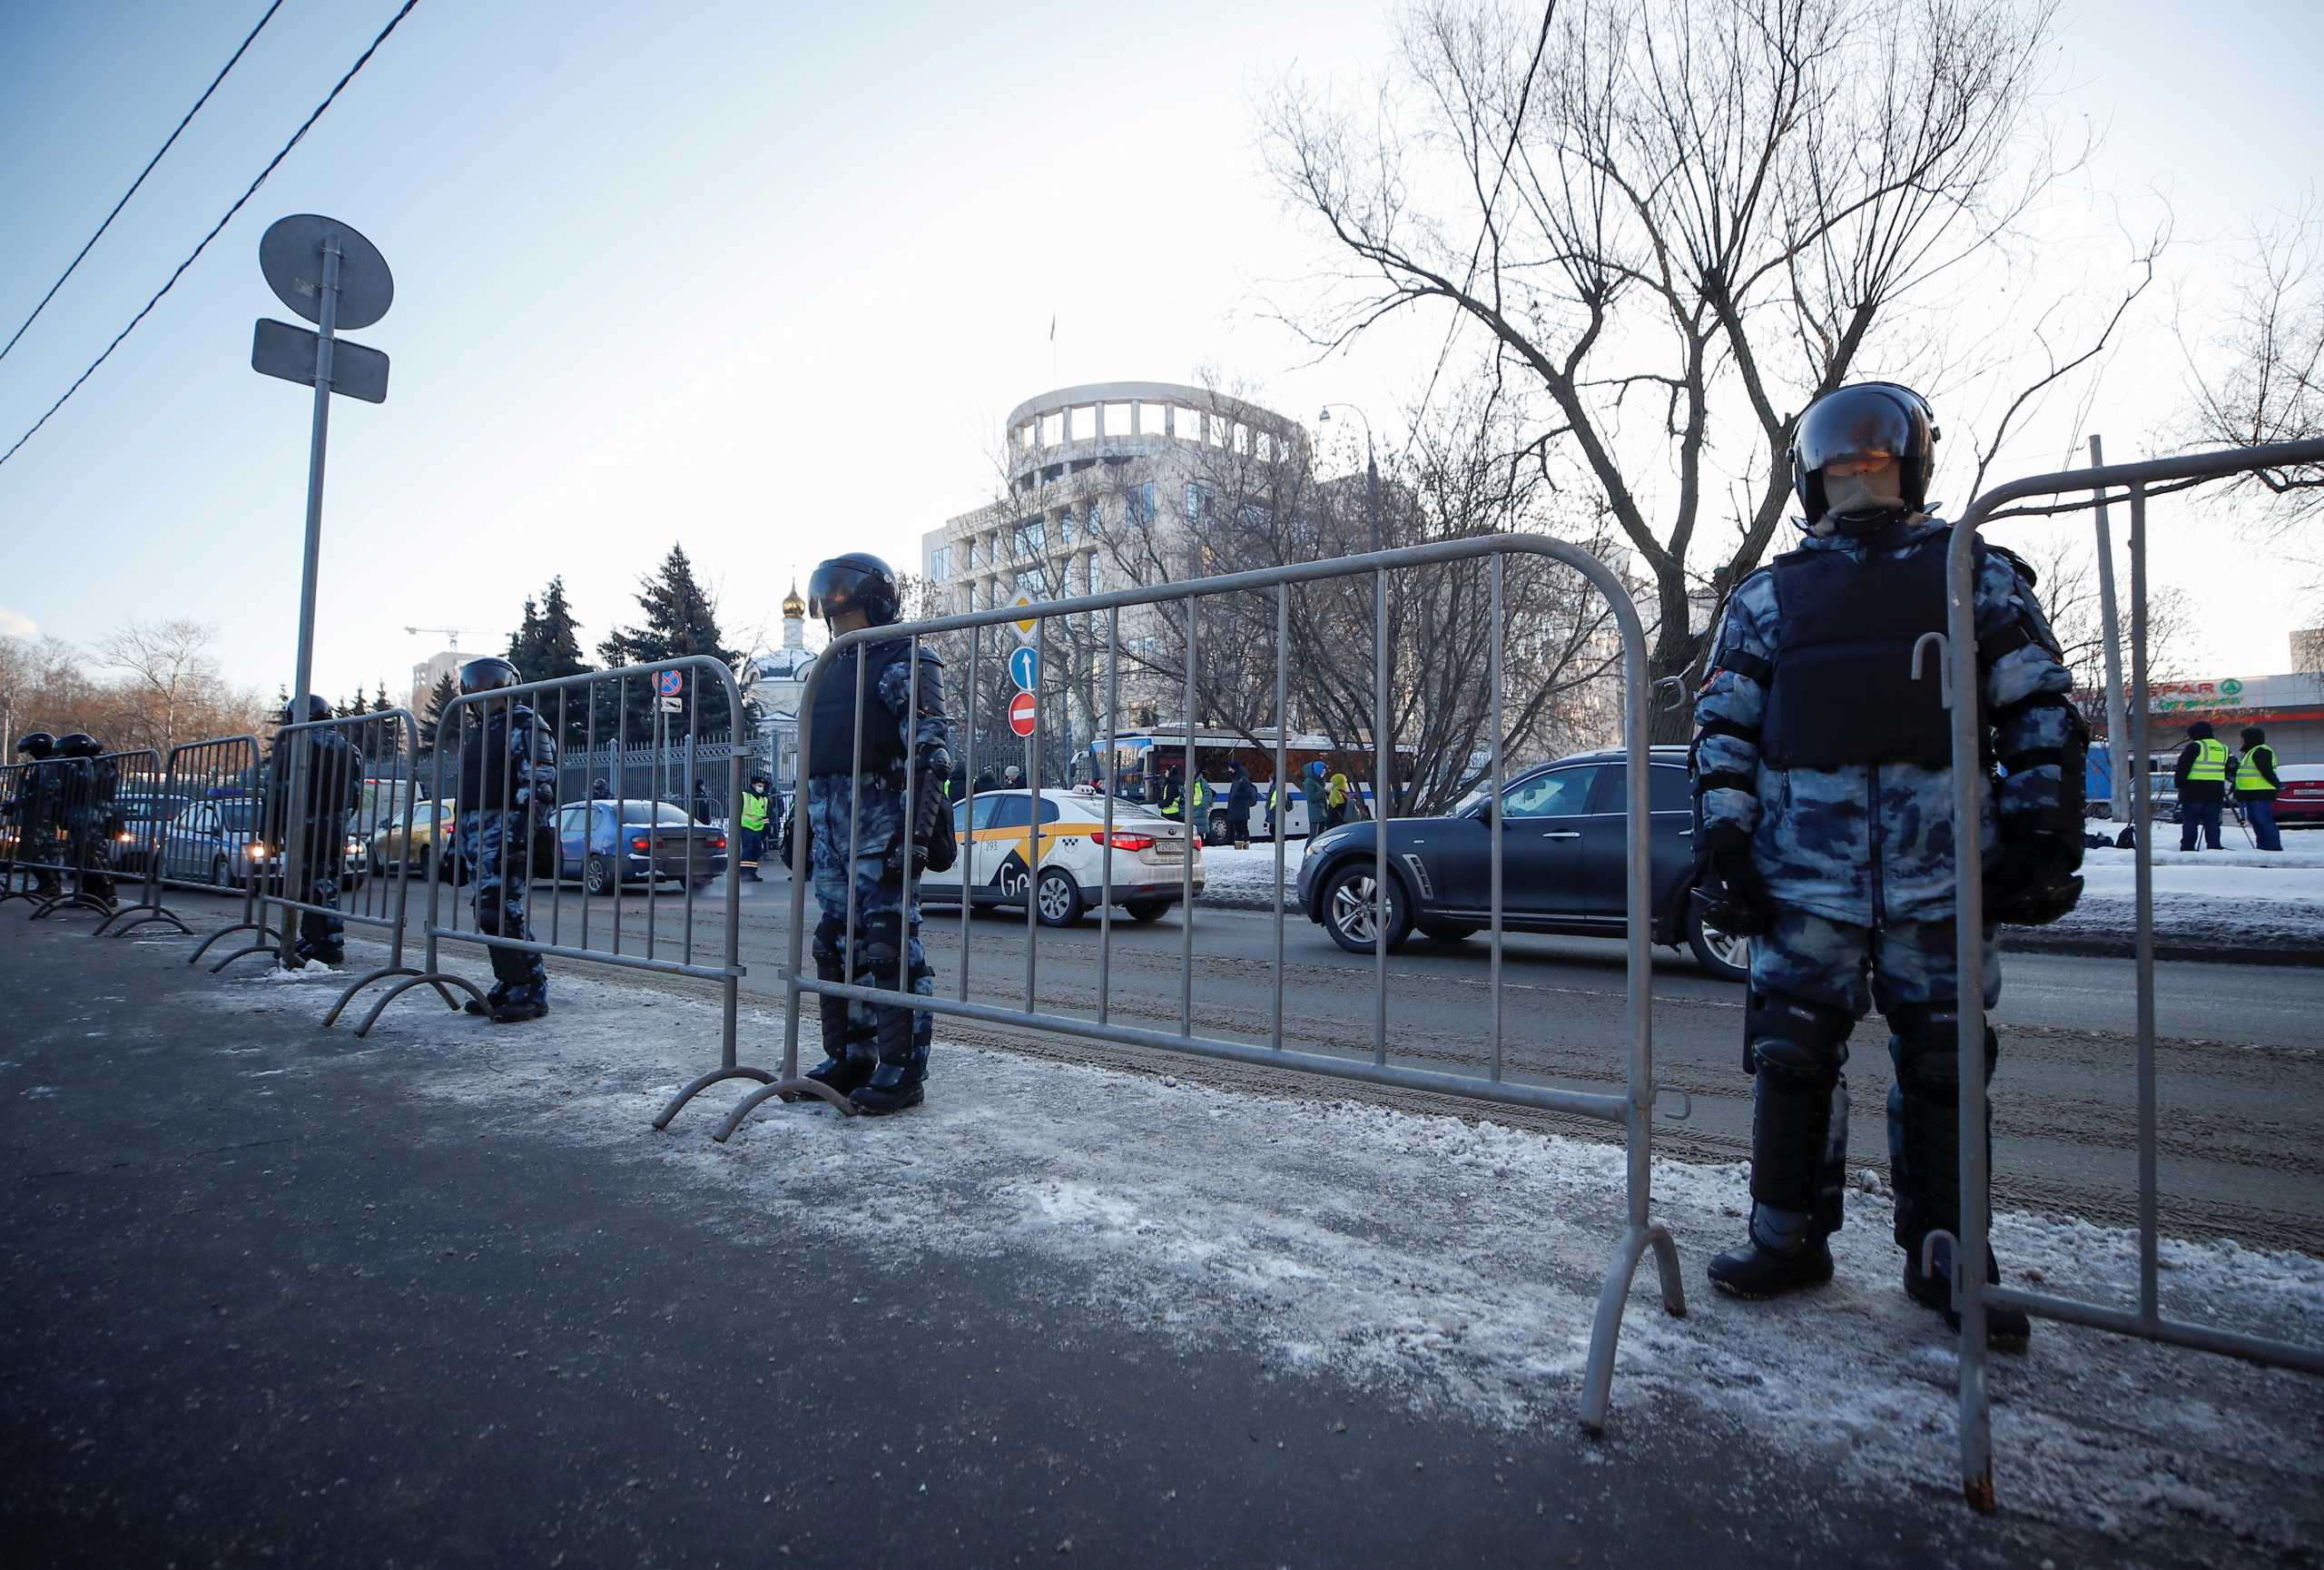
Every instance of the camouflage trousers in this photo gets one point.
(91, 853)
(1909, 972)
(500, 889)
(886, 936)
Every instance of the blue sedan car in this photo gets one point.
(603, 842)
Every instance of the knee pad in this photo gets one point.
(1795, 1041)
(831, 935)
(1925, 1041)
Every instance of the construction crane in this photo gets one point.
(451, 634)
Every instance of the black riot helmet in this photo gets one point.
(318, 707)
(489, 674)
(80, 743)
(856, 581)
(36, 744)
(1869, 420)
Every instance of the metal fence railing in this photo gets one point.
(1632, 1108)
(66, 834)
(625, 855)
(1973, 1293)
(210, 843)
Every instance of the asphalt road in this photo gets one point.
(2240, 1154)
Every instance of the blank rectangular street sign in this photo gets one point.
(279, 349)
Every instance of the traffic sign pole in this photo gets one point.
(293, 849)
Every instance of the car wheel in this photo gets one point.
(1145, 910)
(1218, 834)
(1058, 898)
(1448, 931)
(598, 875)
(1727, 956)
(1349, 909)
(218, 878)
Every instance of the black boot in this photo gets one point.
(850, 1070)
(2007, 1330)
(493, 999)
(1784, 1253)
(893, 1087)
(525, 1001)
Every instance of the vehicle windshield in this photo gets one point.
(238, 817)
(1125, 812)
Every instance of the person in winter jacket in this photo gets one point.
(2256, 785)
(1822, 778)
(2201, 775)
(1242, 796)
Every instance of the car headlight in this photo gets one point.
(259, 852)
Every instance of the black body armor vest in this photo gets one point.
(831, 740)
(1844, 693)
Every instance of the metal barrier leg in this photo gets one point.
(1606, 1329)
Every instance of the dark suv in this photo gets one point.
(1563, 829)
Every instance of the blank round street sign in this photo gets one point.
(1020, 714)
(291, 255)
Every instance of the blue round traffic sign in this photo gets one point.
(669, 683)
(1025, 668)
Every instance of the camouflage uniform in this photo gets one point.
(334, 789)
(885, 934)
(33, 819)
(1859, 865)
(90, 821)
(506, 746)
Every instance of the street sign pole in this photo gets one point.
(292, 852)
(331, 275)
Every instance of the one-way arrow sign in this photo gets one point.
(282, 349)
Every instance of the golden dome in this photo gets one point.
(794, 608)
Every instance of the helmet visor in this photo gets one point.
(1863, 424)
(836, 588)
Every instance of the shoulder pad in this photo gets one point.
(930, 656)
(2018, 564)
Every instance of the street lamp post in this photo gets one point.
(1371, 467)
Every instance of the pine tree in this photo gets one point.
(557, 648)
(680, 620)
(438, 699)
(522, 641)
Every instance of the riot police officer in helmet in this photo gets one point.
(1823, 791)
(334, 789)
(32, 812)
(508, 790)
(86, 781)
(855, 784)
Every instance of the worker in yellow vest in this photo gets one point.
(2257, 781)
(755, 803)
(2202, 774)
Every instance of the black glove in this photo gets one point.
(2037, 878)
(927, 804)
(1728, 886)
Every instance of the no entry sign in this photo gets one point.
(1020, 714)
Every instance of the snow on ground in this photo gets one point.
(1431, 1261)
(1246, 879)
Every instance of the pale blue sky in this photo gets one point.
(761, 279)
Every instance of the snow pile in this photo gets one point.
(1244, 880)
(1435, 1262)
(2230, 899)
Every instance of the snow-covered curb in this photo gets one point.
(2233, 904)
(1431, 1261)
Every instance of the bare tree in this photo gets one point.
(2258, 374)
(167, 664)
(1678, 224)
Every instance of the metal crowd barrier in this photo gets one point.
(208, 844)
(1973, 1293)
(66, 831)
(355, 817)
(24, 833)
(598, 845)
(1633, 1109)
(143, 803)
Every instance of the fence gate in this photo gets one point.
(1633, 1109)
(1972, 1293)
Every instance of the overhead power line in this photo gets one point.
(308, 125)
(142, 173)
